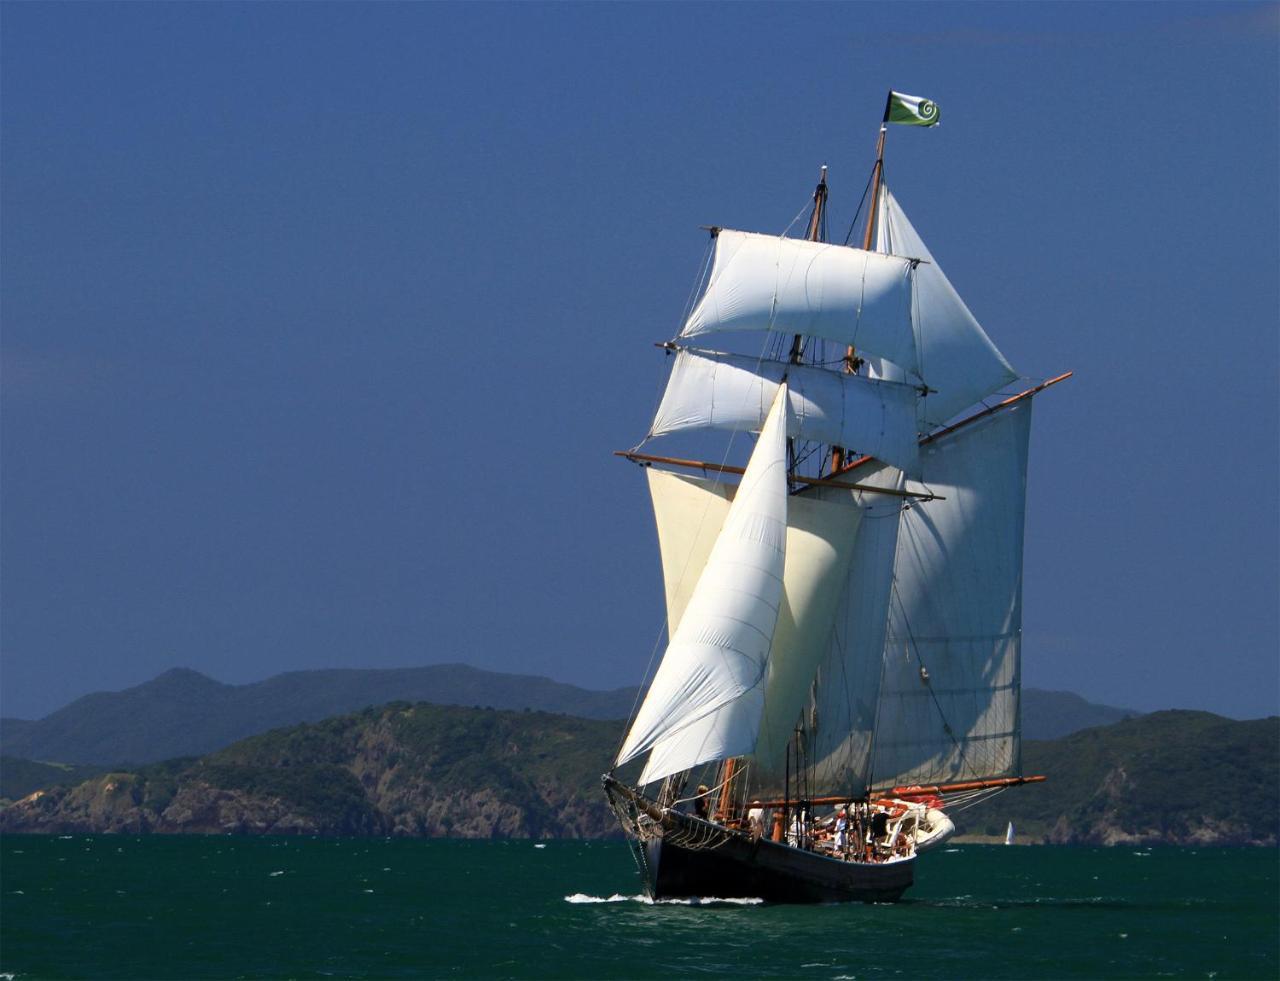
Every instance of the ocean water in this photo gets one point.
(192, 907)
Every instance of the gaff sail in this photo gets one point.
(949, 699)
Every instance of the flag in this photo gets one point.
(910, 110)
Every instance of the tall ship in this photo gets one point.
(843, 570)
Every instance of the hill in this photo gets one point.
(1054, 714)
(427, 770)
(185, 713)
(1175, 776)
(416, 770)
(19, 777)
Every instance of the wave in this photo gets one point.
(579, 897)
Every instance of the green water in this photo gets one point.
(115, 907)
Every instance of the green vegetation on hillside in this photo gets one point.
(19, 777)
(435, 770)
(1173, 775)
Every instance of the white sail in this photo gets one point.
(955, 357)
(764, 282)
(689, 513)
(820, 540)
(949, 697)
(842, 713)
(729, 391)
(820, 536)
(814, 586)
(717, 656)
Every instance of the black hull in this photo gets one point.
(741, 868)
(685, 857)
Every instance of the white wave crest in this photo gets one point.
(579, 897)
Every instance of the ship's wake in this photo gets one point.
(579, 897)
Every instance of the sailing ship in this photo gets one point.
(844, 622)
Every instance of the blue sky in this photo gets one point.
(320, 322)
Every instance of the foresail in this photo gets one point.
(718, 653)
(729, 391)
(765, 282)
(955, 358)
(949, 699)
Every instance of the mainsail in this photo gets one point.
(715, 664)
(952, 668)
(921, 683)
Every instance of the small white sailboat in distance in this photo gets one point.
(1008, 834)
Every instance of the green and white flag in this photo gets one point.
(910, 110)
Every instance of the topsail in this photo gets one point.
(764, 282)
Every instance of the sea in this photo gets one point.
(107, 906)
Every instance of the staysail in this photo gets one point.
(729, 391)
(957, 360)
(716, 661)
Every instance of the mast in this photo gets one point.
(814, 234)
(877, 172)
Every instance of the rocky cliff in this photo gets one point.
(421, 770)
(435, 771)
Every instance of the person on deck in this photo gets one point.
(842, 831)
(700, 802)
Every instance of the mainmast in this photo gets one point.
(868, 238)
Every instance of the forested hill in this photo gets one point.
(416, 770)
(427, 770)
(1187, 777)
(185, 713)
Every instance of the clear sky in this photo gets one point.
(320, 321)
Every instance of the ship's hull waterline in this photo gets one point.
(685, 857)
(762, 869)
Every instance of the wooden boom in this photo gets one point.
(933, 790)
(812, 481)
(854, 464)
